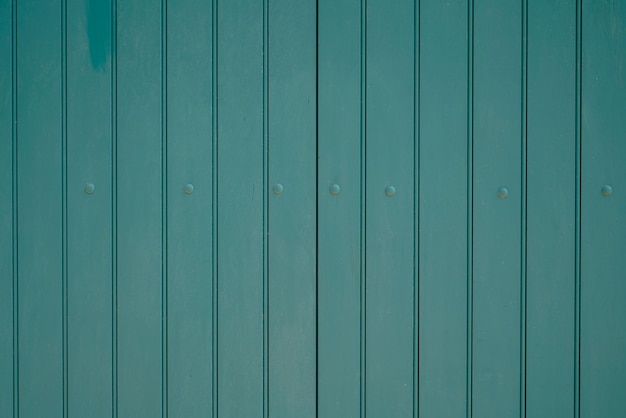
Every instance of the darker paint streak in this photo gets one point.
(98, 32)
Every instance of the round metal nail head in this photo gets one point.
(278, 188)
(188, 188)
(503, 192)
(90, 188)
(606, 190)
(390, 190)
(334, 189)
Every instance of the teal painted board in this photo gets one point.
(241, 208)
(323, 208)
(551, 210)
(7, 215)
(139, 181)
(40, 221)
(292, 256)
(89, 226)
(189, 215)
(497, 240)
(443, 210)
(389, 207)
(603, 229)
(340, 180)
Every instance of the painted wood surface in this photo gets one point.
(321, 208)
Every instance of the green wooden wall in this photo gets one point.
(314, 208)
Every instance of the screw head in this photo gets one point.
(606, 190)
(90, 188)
(277, 189)
(390, 190)
(334, 189)
(188, 189)
(503, 192)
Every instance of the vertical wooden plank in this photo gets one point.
(443, 208)
(497, 221)
(40, 210)
(189, 216)
(292, 220)
(240, 208)
(339, 226)
(551, 208)
(6, 209)
(89, 215)
(139, 216)
(603, 230)
(389, 219)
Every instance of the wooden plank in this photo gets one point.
(189, 215)
(292, 220)
(89, 246)
(497, 274)
(340, 239)
(39, 182)
(443, 176)
(550, 355)
(603, 230)
(139, 210)
(390, 368)
(240, 208)
(7, 217)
